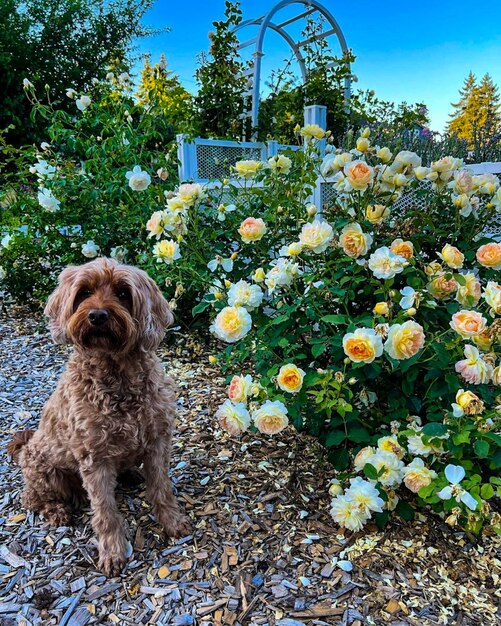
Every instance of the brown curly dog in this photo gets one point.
(113, 409)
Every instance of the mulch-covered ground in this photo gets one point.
(264, 549)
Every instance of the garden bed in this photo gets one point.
(264, 547)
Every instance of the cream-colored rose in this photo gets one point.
(290, 378)
(462, 183)
(421, 172)
(363, 457)
(359, 174)
(473, 368)
(402, 248)
(469, 294)
(335, 488)
(271, 418)
(231, 324)
(316, 235)
(155, 224)
(490, 255)
(248, 168)
(405, 159)
(384, 154)
(404, 340)
(363, 345)
(189, 193)
(496, 376)
(377, 213)
(417, 475)
(340, 160)
(468, 323)
(280, 164)
(452, 256)
(252, 229)
(354, 241)
(492, 295)
(234, 418)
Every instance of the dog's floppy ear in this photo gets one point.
(59, 306)
(155, 316)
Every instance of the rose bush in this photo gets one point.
(87, 190)
(376, 330)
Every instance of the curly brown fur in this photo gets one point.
(113, 409)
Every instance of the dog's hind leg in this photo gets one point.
(48, 489)
(159, 490)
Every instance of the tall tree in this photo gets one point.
(61, 44)
(476, 117)
(161, 88)
(220, 99)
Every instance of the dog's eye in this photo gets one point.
(124, 294)
(84, 293)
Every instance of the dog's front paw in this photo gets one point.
(177, 526)
(111, 564)
(56, 514)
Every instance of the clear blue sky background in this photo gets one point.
(412, 51)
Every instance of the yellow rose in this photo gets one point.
(490, 255)
(280, 163)
(390, 444)
(363, 144)
(167, 251)
(312, 131)
(384, 154)
(231, 324)
(316, 235)
(468, 323)
(469, 403)
(381, 308)
(247, 169)
(483, 340)
(359, 174)
(290, 378)
(404, 340)
(433, 268)
(354, 242)
(259, 275)
(469, 293)
(252, 229)
(363, 345)
(377, 213)
(452, 256)
(294, 248)
(402, 248)
(492, 295)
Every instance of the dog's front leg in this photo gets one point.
(159, 490)
(100, 482)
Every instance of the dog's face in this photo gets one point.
(107, 307)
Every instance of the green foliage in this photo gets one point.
(83, 165)
(59, 44)
(161, 91)
(477, 118)
(220, 98)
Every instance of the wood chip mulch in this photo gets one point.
(264, 548)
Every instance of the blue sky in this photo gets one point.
(412, 51)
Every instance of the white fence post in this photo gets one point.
(187, 156)
(272, 148)
(317, 114)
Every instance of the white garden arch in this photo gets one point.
(306, 9)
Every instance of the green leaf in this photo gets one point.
(358, 434)
(318, 349)
(405, 510)
(340, 459)
(334, 438)
(381, 519)
(459, 438)
(334, 319)
(370, 471)
(201, 306)
(487, 491)
(460, 279)
(435, 429)
(481, 448)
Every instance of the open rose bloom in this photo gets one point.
(353, 310)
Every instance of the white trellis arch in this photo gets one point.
(306, 10)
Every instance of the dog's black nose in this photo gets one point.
(98, 317)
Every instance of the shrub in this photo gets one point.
(375, 330)
(80, 194)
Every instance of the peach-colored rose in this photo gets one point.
(490, 255)
(354, 241)
(359, 174)
(417, 475)
(290, 378)
(473, 368)
(404, 340)
(402, 248)
(468, 323)
(442, 288)
(252, 229)
(363, 345)
(271, 418)
(240, 388)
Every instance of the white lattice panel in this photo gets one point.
(215, 161)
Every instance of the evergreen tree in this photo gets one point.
(477, 117)
(159, 87)
(220, 99)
